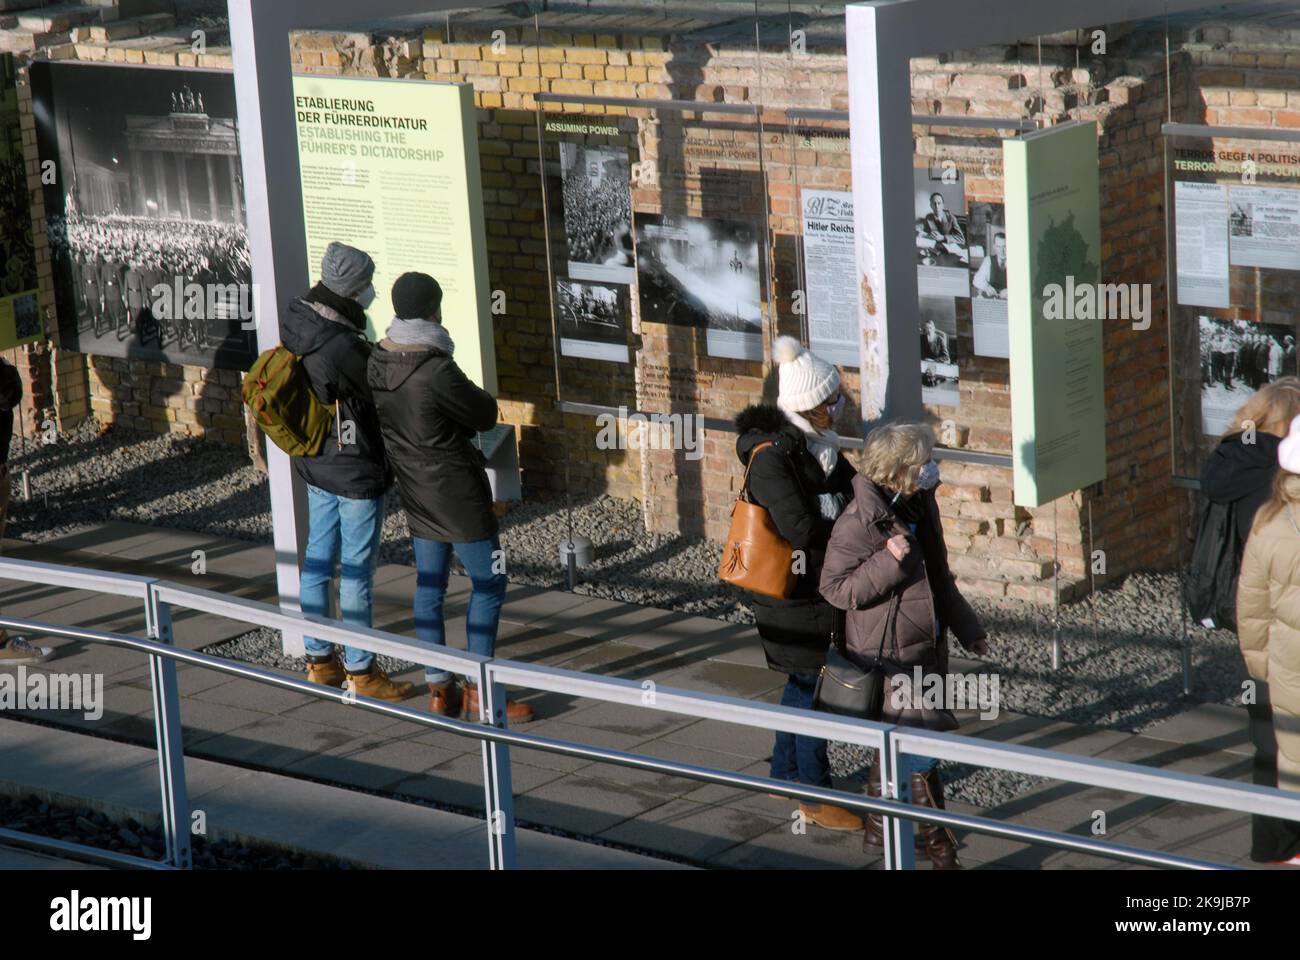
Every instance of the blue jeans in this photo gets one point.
(487, 579)
(346, 531)
(795, 757)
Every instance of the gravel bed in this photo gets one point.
(31, 814)
(1121, 657)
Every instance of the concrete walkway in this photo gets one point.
(261, 728)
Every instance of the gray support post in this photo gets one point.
(880, 132)
(167, 733)
(900, 853)
(498, 794)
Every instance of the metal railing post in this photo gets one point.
(167, 731)
(900, 854)
(498, 795)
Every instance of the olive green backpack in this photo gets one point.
(284, 406)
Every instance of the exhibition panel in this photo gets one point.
(1234, 210)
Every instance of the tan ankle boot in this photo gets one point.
(831, 818)
(515, 712)
(446, 699)
(328, 673)
(375, 683)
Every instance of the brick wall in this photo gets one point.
(997, 548)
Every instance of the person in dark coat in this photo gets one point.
(90, 290)
(430, 412)
(110, 285)
(887, 566)
(347, 481)
(797, 473)
(15, 649)
(1240, 472)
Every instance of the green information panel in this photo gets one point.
(1056, 306)
(392, 167)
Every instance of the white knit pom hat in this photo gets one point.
(806, 380)
(1288, 451)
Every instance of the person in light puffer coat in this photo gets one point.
(1268, 613)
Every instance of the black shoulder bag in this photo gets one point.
(845, 688)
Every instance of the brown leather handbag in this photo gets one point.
(756, 557)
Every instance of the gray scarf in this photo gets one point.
(421, 333)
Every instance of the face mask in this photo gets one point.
(366, 297)
(929, 478)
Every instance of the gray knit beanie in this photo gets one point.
(346, 270)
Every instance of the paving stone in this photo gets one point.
(1214, 726)
(272, 742)
(728, 679)
(584, 805)
(731, 738)
(375, 765)
(696, 831)
(782, 849)
(260, 697)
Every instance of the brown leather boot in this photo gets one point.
(940, 842)
(515, 712)
(875, 832)
(375, 683)
(831, 818)
(327, 671)
(446, 699)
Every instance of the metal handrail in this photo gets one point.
(890, 742)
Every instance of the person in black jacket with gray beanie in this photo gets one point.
(430, 412)
(347, 481)
(803, 481)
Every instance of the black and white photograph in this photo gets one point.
(941, 227)
(593, 320)
(987, 236)
(146, 217)
(1237, 359)
(598, 212)
(938, 328)
(1242, 219)
(988, 265)
(703, 273)
(939, 371)
(940, 384)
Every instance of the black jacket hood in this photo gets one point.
(306, 329)
(765, 423)
(389, 369)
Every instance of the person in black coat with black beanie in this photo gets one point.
(1240, 472)
(430, 413)
(803, 481)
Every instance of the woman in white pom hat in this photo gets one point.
(1268, 615)
(802, 480)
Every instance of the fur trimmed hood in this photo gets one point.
(766, 423)
(763, 417)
